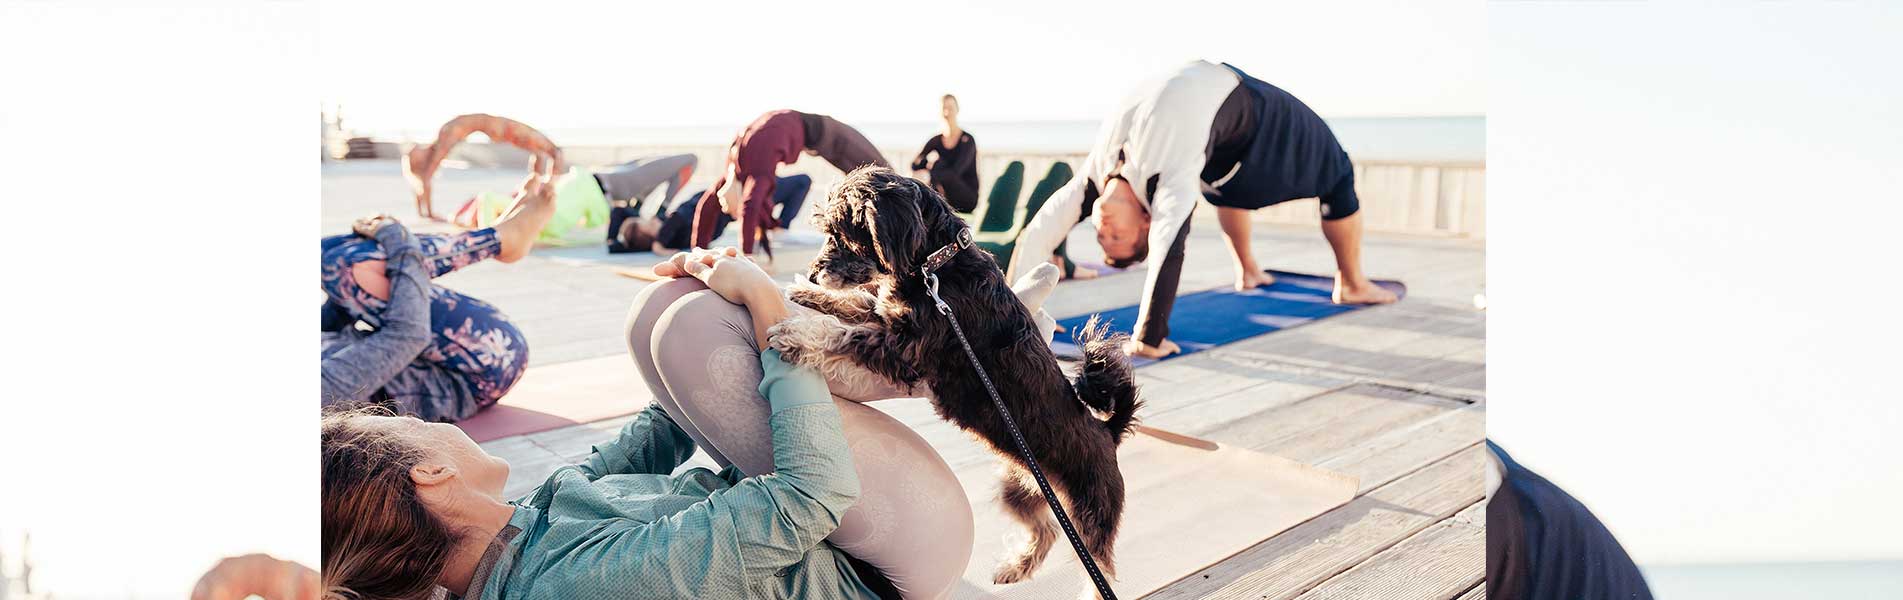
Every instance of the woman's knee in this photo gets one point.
(701, 318)
(647, 307)
(913, 520)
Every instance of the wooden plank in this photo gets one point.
(575, 442)
(1207, 413)
(1478, 592)
(1382, 459)
(1332, 543)
(1442, 561)
(1323, 426)
(1424, 205)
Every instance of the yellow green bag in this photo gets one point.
(581, 210)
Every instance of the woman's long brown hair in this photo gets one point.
(379, 541)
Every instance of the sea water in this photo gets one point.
(1432, 139)
(1782, 581)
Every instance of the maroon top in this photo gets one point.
(775, 138)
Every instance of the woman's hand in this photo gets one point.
(726, 272)
(736, 278)
(241, 577)
(368, 226)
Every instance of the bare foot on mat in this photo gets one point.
(1363, 292)
(1249, 280)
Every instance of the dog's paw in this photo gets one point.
(807, 294)
(807, 340)
(1011, 571)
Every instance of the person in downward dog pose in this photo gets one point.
(392, 337)
(1209, 132)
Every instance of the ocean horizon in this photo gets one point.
(1749, 581)
(1431, 139)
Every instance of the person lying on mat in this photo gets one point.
(816, 497)
(629, 185)
(1542, 543)
(1212, 132)
(745, 188)
(392, 337)
(629, 232)
(421, 162)
(949, 161)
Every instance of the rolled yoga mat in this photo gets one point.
(1208, 319)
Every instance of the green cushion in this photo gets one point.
(1001, 206)
(1000, 242)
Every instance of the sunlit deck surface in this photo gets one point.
(1393, 395)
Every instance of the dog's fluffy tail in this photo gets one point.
(1106, 383)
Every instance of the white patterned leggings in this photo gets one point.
(696, 351)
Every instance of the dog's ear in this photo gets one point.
(895, 223)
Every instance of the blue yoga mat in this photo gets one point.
(1205, 320)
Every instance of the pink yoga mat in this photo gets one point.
(560, 395)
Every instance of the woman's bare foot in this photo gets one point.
(418, 170)
(1362, 292)
(1252, 279)
(520, 225)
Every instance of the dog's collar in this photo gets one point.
(944, 254)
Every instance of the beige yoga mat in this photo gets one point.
(560, 395)
(1190, 504)
(641, 273)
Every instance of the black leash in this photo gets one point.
(932, 263)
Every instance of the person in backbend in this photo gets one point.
(673, 230)
(1211, 132)
(949, 161)
(421, 162)
(745, 189)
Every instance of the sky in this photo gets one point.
(166, 428)
(1730, 172)
(413, 64)
(1692, 241)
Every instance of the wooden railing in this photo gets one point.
(1436, 198)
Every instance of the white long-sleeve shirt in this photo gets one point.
(1161, 130)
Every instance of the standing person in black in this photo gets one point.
(1542, 544)
(949, 161)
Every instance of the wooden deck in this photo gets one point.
(1393, 395)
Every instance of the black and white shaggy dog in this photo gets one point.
(876, 316)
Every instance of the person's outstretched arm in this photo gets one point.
(1170, 208)
(355, 371)
(919, 162)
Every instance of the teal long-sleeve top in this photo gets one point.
(619, 526)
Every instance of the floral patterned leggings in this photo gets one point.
(473, 341)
